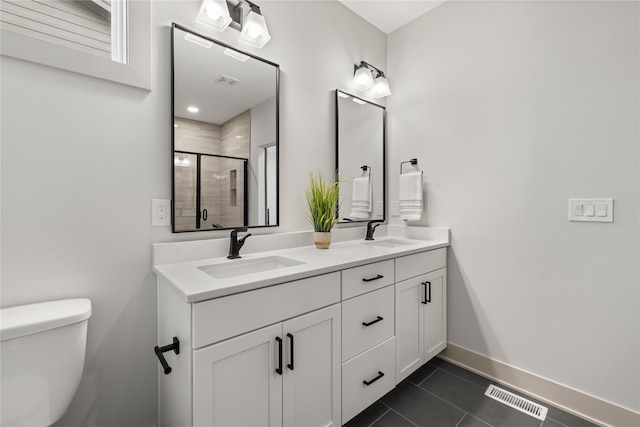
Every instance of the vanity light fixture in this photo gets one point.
(214, 14)
(254, 28)
(242, 15)
(363, 80)
(381, 86)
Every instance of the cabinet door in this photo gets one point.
(409, 331)
(235, 382)
(435, 314)
(311, 378)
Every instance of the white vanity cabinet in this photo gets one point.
(281, 375)
(233, 370)
(314, 350)
(421, 309)
(368, 343)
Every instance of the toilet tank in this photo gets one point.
(42, 356)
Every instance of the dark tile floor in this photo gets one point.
(440, 394)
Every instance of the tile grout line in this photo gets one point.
(404, 417)
(385, 413)
(472, 416)
(462, 378)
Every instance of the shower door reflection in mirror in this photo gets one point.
(225, 136)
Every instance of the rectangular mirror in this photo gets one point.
(360, 158)
(225, 136)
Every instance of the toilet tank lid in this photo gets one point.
(29, 319)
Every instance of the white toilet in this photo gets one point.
(41, 360)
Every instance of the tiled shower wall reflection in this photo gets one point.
(222, 196)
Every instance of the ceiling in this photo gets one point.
(389, 15)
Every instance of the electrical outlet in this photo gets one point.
(160, 212)
(379, 208)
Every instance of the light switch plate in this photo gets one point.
(395, 209)
(591, 210)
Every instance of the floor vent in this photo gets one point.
(517, 402)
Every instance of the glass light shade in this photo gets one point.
(214, 14)
(254, 30)
(381, 87)
(362, 79)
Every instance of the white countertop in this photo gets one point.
(194, 285)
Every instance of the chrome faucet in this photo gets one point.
(235, 244)
(372, 228)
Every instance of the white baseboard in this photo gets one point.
(566, 398)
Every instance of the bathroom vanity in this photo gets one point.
(297, 336)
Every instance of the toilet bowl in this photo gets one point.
(41, 360)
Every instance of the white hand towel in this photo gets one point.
(361, 198)
(410, 203)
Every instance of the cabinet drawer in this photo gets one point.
(414, 265)
(366, 278)
(221, 318)
(356, 395)
(368, 308)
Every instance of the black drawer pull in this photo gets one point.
(427, 292)
(290, 365)
(279, 368)
(371, 279)
(372, 322)
(380, 375)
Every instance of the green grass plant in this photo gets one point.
(322, 199)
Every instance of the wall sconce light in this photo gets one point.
(363, 80)
(241, 15)
(254, 28)
(214, 14)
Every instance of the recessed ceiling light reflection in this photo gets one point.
(236, 55)
(193, 109)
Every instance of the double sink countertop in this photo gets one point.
(203, 279)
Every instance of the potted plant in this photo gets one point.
(322, 198)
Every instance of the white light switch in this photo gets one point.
(590, 210)
(602, 210)
(595, 210)
(579, 210)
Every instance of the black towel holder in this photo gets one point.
(412, 161)
(366, 168)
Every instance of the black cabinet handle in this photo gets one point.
(279, 368)
(290, 365)
(371, 279)
(427, 292)
(205, 214)
(380, 375)
(373, 321)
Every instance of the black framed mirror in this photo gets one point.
(361, 158)
(225, 111)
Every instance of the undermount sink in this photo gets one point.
(249, 266)
(391, 243)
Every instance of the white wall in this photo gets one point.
(512, 108)
(82, 158)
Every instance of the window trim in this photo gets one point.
(136, 73)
